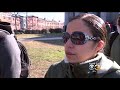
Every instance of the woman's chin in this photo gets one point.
(72, 60)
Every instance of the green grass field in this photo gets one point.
(42, 54)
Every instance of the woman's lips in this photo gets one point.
(69, 53)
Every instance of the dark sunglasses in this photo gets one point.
(77, 38)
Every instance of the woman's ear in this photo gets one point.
(100, 46)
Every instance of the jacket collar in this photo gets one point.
(98, 66)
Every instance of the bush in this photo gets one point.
(32, 32)
(43, 31)
(19, 31)
(51, 30)
(57, 30)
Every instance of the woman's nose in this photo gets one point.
(69, 43)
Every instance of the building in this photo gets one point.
(22, 22)
(42, 24)
(35, 23)
(32, 23)
(106, 16)
(19, 22)
(14, 20)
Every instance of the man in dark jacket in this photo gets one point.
(10, 64)
(25, 61)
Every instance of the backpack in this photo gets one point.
(25, 61)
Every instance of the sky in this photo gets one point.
(57, 16)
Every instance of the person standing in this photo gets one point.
(25, 61)
(113, 49)
(10, 63)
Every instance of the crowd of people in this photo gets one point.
(91, 48)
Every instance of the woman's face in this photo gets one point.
(79, 53)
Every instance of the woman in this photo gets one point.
(84, 39)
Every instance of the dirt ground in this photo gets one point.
(38, 71)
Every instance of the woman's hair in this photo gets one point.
(95, 23)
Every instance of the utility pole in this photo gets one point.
(15, 19)
(26, 21)
(32, 23)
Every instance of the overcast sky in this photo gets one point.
(48, 15)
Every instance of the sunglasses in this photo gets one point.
(77, 38)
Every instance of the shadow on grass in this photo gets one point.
(54, 42)
(47, 35)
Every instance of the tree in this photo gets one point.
(26, 22)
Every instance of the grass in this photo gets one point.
(42, 54)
